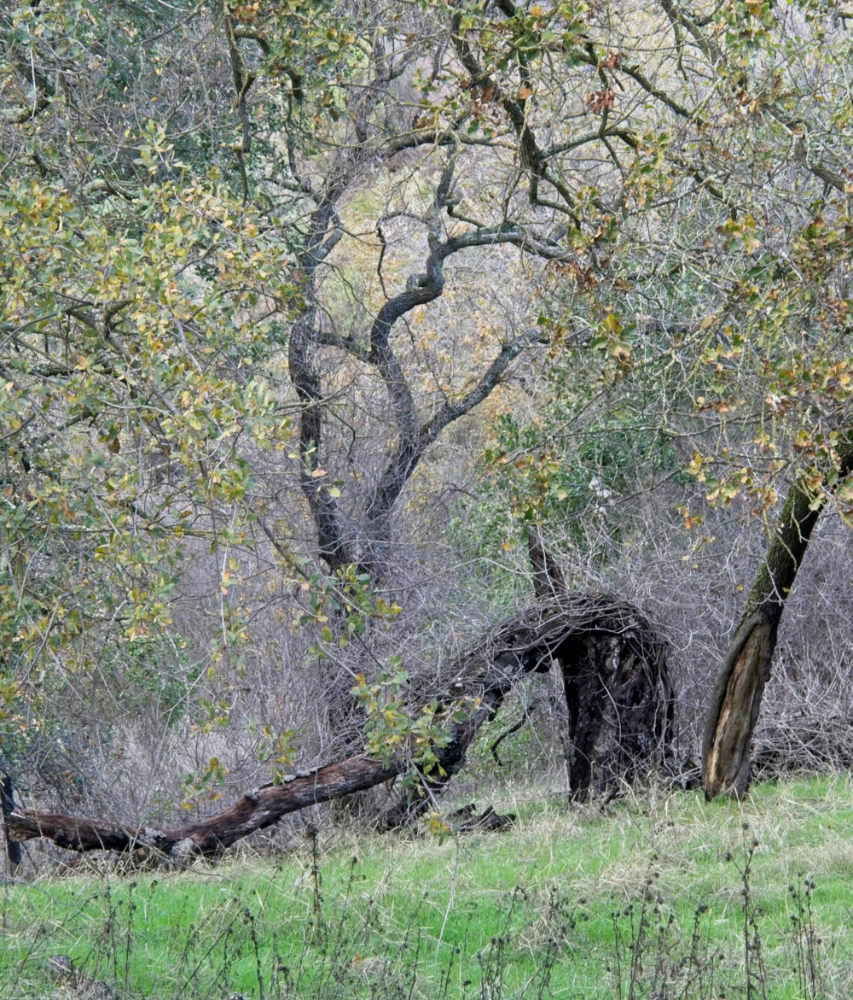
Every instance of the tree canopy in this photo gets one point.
(306, 304)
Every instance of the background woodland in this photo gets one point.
(316, 314)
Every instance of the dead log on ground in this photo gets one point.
(257, 810)
(480, 676)
(571, 628)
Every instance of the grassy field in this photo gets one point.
(661, 897)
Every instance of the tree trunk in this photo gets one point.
(736, 700)
(548, 579)
(508, 669)
(620, 701)
(257, 810)
(618, 693)
(7, 806)
(614, 666)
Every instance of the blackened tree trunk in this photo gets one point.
(620, 702)
(7, 806)
(614, 666)
(619, 696)
(736, 700)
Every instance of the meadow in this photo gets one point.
(659, 895)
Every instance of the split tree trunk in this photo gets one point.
(736, 700)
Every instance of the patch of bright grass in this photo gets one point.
(647, 896)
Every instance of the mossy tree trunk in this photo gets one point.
(736, 701)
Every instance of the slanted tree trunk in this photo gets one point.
(736, 700)
(483, 673)
(508, 667)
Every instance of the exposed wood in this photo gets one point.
(736, 700)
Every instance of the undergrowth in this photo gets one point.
(663, 897)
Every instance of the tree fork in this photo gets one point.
(736, 701)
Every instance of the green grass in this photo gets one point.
(567, 905)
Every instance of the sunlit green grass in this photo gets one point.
(550, 909)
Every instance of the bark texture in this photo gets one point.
(620, 700)
(257, 810)
(736, 700)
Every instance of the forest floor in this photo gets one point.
(656, 896)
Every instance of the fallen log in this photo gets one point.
(485, 676)
(638, 699)
(257, 810)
